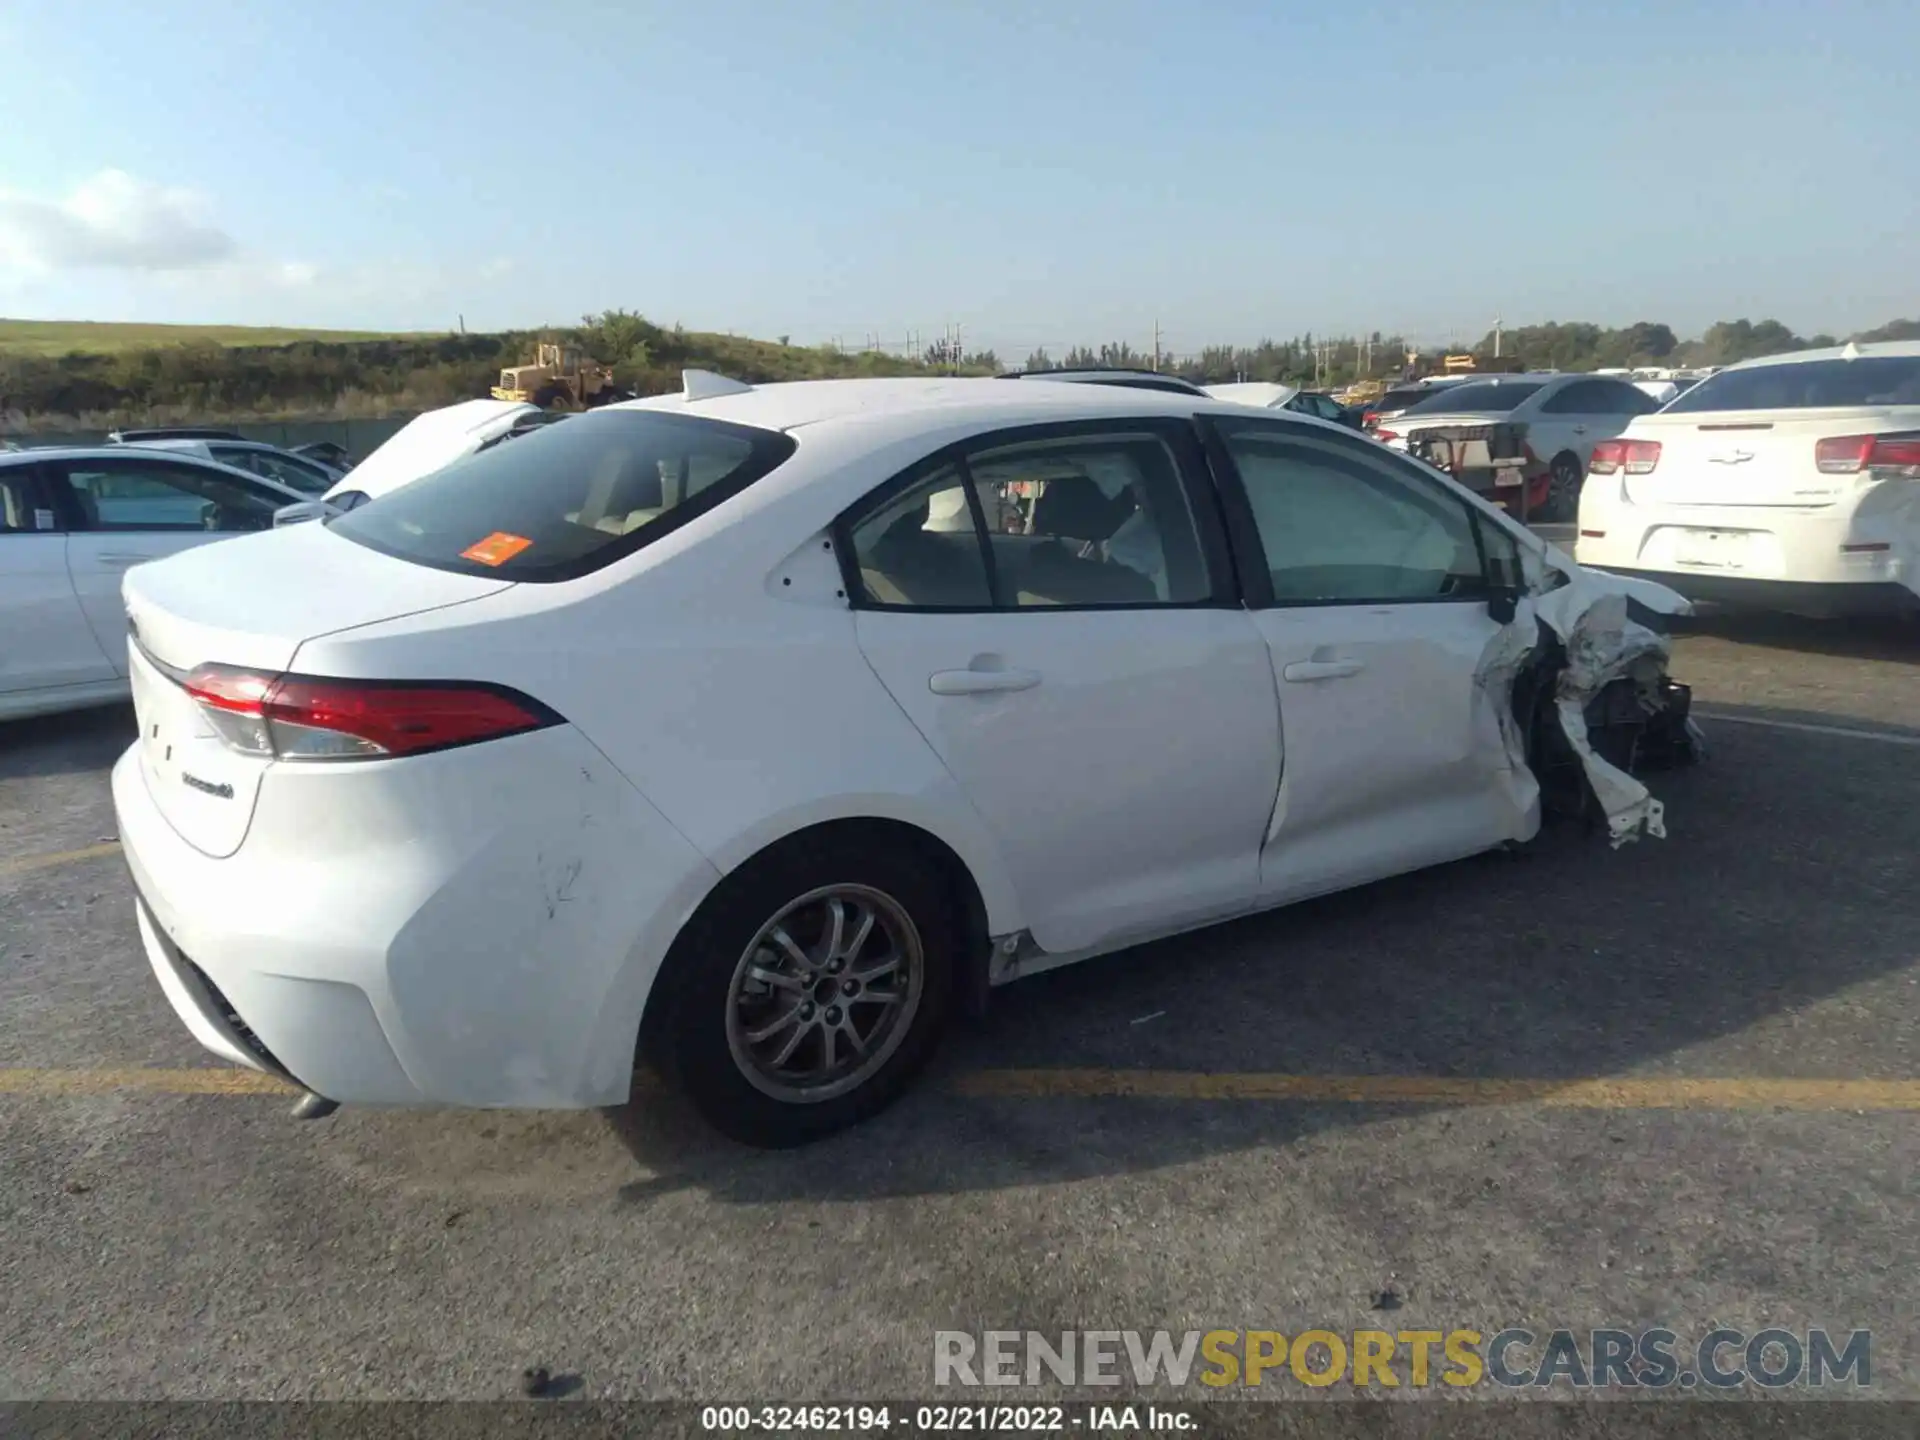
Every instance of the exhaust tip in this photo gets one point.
(314, 1107)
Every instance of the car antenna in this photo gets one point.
(706, 384)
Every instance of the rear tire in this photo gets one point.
(778, 1033)
(1563, 494)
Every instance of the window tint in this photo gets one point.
(922, 548)
(1870, 380)
(1095, 520)
(1339, 523)
(307, 479)
(149, 495)
(1491, 396)
(23, 507)
(564, 500)
(1081, 520)
(1502, 554)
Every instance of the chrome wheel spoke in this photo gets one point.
(877, 997)
(774, 1026)
(786, 942)
(854, 1037)
(860, 934)
(779, 979)
(788, 1046)
(836, 930)
(867, 974)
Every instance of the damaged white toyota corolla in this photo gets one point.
(756, 730)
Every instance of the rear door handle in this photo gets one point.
(1322, 669)
(981, 682)
(1579, 429)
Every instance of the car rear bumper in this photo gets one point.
(1834, 559)
(1815, 598)
(452, 931)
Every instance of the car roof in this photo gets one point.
(1893, 349)
(790, 405)
(1122, 375)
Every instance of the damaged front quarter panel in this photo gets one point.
(1612, 665)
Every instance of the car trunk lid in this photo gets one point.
(1748, 458)
(250, 603)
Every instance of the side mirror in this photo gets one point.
(302, 511)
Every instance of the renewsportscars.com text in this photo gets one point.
(1514, 1358)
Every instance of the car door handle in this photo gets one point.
(120, 559)
(1301, 670)
(1579, 429)
(981, 682)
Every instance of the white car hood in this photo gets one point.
(431, 442)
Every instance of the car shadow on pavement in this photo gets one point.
(79, 742)
(1785, 880)
(1894, 638)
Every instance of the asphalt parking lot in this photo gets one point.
(1752, 983)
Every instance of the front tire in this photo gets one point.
(807, 990)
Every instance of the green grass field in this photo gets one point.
(67, 337)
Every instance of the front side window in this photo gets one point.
(563, 501)
(1076, 520)
(152, 495)
(1340, 524)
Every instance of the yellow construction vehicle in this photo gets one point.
(561, 377)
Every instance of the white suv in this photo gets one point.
(1792, 483)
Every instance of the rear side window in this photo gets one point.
(564, 500)
(1807, 384)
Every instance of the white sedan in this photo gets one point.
(728, 725)
(72, 521)
(1790, 483)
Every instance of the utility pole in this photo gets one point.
(1156, 345)
(1496, 337)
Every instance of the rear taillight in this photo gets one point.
(1636, 457)
(1385, 435)
(1369, 418)
(1897, 455)
(309, 717)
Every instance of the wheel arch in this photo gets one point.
(961, 879)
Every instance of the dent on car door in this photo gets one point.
(1051, 606)
(1371, 583)
(48, 641)
(133, 510)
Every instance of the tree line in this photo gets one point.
(1336, 361)
(206, 381)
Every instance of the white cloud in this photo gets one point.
(296, 274)
(495, 269)
(112, 221)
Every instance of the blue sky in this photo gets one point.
(1037, 171)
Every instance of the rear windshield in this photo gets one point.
(1403, 397)
(561, 501)
(1478, 396)
(1808, 384)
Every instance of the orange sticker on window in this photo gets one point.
(496, 549)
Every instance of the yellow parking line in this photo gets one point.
(207, 1080)
(64, 857)
(1650, 1093)
(1635, 1093)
